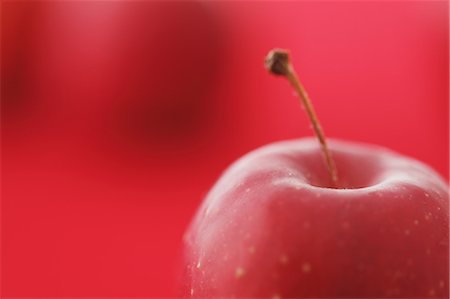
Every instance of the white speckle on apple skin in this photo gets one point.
(239, 273)
(284, 259)
(416, 222)
(251, 249)
(306, 267)
(407, 232)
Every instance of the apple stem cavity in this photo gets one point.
(278, 63)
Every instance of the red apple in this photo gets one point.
(106, 71)
(271, 228)
(281, 223)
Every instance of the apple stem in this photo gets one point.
(278, 63)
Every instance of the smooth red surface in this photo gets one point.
(270, 229)
(107, 153)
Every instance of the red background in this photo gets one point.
(118, 117)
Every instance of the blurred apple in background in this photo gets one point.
(16, 58)
(104, 106)
(102, 169)
(141, 70)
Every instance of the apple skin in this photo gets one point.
(269, 228)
